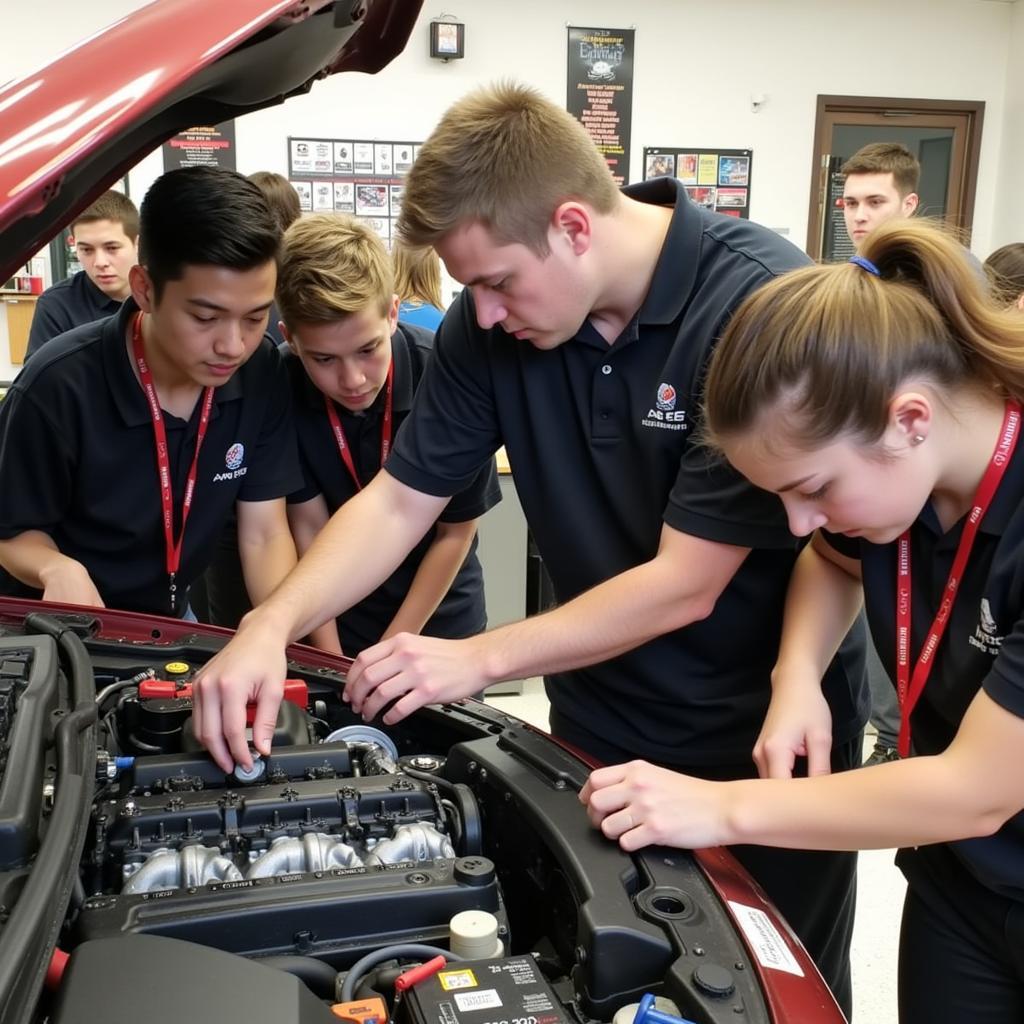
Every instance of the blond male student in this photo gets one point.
(354, 367)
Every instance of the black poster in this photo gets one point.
(202, 146)
(836, 243)
(600, 91)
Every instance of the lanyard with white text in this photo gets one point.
(344, 449)
(909, 688)
(173, 550)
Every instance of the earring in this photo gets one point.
(917, 439)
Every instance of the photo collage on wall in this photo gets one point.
(717, 179)
(364, 177)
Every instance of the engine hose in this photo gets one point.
(378, 956)
(320, 978)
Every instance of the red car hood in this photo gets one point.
(75, 126)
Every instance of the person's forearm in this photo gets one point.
(903, 803)
(266, 561)
(614, 617)
(362, 544)
(822, 603)
(435, 574)
(32, 557)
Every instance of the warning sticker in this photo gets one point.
(765, 939)
(486, 999)
(464, 978)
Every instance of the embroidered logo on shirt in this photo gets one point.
(666, 397)
(665, 415)
(233, 459)
(985, 638)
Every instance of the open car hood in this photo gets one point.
(75, 126)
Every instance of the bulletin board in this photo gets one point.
(717, 179)
(363, 177)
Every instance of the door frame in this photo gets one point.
(889, 106)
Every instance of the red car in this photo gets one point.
(138, 882)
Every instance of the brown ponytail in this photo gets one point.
(827, 346)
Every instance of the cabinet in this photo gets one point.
(20, 309)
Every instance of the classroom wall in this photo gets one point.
(1007, 200)
(695, 70)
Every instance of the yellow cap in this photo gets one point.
(176, 668)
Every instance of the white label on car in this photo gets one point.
(765, 939)
(486, 999)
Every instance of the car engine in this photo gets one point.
(441, 871)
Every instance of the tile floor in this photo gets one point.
(879, 903)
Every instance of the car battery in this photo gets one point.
(503, 991)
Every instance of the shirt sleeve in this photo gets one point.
(37, 460)
(1005, 682)
(482, 494)
(710, 500)
(452, 429)
(49, 319)
(309, 488)
(274, 471)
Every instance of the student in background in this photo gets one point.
(881, 184)
(1005, 268)
(283, 201)
(418, 284)
(180, 386)
(105, 238)
(882, 402)
(354, 367)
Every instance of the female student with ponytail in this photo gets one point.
(881, 400)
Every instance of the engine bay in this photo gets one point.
(136, 878)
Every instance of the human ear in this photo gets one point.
(141, 285)
(910, 202)
(911, 418)
(287, 335)
(573, 220)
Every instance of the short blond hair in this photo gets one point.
(505, 157)
(332, 266)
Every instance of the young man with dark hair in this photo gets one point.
(127, 442)
(580, 342)
(881, 183)
(105, 238)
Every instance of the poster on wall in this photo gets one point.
(202, 146)
(364, 177)
(599, 91)
(717, 179)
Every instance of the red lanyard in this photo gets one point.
(173, 550)
(344, 449)
(909, 688)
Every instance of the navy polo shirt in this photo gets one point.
(66, 305)
(78, 461)
(462, 611)
(983, 646)
(600, 440)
